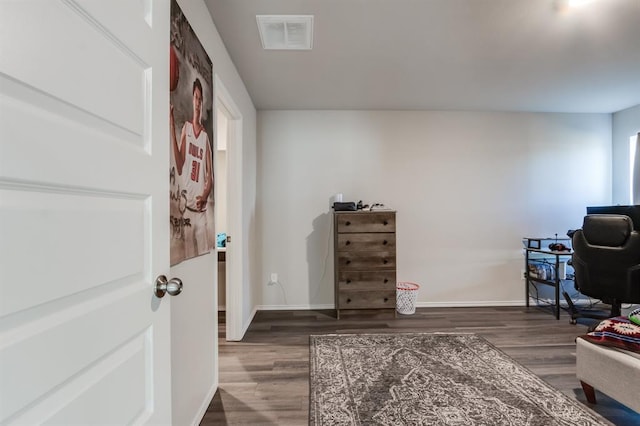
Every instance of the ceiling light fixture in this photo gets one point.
(572, 4)
(286, 32)
(578, 3)
(567, 6)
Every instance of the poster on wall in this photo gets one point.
(191, 145)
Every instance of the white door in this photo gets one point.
(84, 217)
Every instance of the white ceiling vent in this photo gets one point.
(286, 32)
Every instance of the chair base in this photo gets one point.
(616, 311)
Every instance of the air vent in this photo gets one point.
(286, 32)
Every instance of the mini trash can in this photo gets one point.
(406, 296)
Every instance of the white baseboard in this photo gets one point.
(563, 302)
(205, 404)
(470, 304)
(295, 307)
(581, 303)
(246, 325)
(467, 304)
(456, 304)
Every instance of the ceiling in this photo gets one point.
(494, 55)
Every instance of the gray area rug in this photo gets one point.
(430, 379)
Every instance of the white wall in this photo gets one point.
(467, 187)
(194, 312)
(626, 123)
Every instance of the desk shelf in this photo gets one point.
(535, 254)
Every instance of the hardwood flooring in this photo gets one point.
(264, 378)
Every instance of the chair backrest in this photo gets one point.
(606, 258)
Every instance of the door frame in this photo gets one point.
(234, 258)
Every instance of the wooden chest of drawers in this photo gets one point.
(365, 260)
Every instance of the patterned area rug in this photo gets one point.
(430, 379)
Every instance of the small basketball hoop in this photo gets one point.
(406, 296)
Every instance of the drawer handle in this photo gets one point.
(385, 261)
(348, 262)
(385, 223)
(348, 281)
(386, 280)
(386, 299)
(385, 242)
(347, 243)
(347, 223)
(348, 300)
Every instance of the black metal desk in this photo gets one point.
(539, 255)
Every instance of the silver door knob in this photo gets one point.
(172, 286)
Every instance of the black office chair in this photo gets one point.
(606, 260)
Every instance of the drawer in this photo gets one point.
(366, 222)
(366, 299)
(366, 280)
(376, 241)
(365, 260)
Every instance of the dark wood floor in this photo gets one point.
(264, 378)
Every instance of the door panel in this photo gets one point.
(40, 129)
(124, 408)
(41, 224)
(78, 60)
(84, 221)
(49, 364)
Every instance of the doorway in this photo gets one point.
(222, 229)
(229, 210)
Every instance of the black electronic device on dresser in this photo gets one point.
(365, 260)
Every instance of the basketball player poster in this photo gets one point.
(191, 145)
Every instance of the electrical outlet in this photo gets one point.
(273, 279)
(523, 274)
